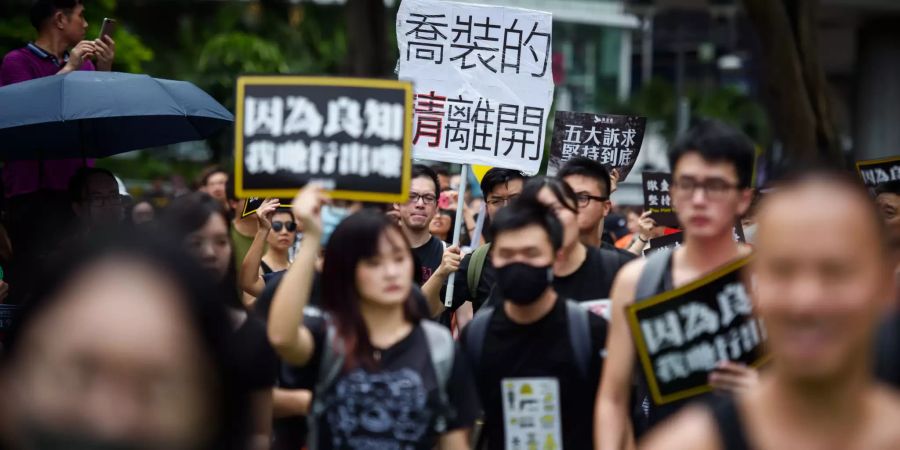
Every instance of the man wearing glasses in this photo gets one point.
(95, 199)
(591, 183)
(415, 219)
(711, 170)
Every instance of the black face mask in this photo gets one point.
(523, 284)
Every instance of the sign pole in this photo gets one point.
(460, 202)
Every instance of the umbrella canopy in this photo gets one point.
(97, 114)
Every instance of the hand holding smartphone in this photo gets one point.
(108, 27)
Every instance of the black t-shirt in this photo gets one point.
(607, 246)
(256, 359)
(594, 279)
(394, 406)
(887, 352)
(429, 258)
(540, 349)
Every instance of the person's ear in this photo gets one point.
(745, 198)
(59, 20)
(607, 207)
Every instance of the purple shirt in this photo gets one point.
(23, 177)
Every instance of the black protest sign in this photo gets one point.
(878, 171)
(350, 135)
(682, 334)
(657, 198)
(614, 141)
(253, 203)
(663, 242)
(7, 316)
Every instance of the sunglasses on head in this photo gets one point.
(277, 225)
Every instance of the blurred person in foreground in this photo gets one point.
(37, 205)
(821, 304)
(200, 223)
(123, 347)
(385, 377)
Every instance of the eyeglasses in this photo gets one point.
(585, 199)
(713, 188)
(105, 200)
(427, 199)
(277, 225)
(498, 201)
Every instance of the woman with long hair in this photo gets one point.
(201, 224)
(385, 377)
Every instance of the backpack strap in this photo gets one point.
(329, 369)
(476, 267)
(580, 336)
(442, 351)
(475, 337)
(610, 261)
(653, 274)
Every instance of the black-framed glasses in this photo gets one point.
(713, 188)
(585, 199)
(277, 225)
(498, 201)
(428, 199)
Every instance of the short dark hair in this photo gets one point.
(587, 167)
(208, 172)
(497, 176)
(78, 182)
(423, 171)
(440, 170)
(526, 212)
(889, 187)
(41, 10)
(562, 191)
(716, 141)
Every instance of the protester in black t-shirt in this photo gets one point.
(123, 346)
(415, 219)
(384, 377)
(201, 223)
(500, 187)
(523, 354)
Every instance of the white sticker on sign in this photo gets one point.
(531, 414)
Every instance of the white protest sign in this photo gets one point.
(531, 413)
(483, 81)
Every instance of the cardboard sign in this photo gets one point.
(532, 414)
(350, 135)
(614, 141)
(878, 171)
(682, 334)
(7, 316)
(657, 198)
(673, 240)
(483, 81)
(253, 203)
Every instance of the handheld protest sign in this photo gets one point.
(253, 203)
(7, 316)
(483, 80)
(658, 199)
(656, 244)
(682, 334)
(877, 171)
(613, 141)
(350, 135)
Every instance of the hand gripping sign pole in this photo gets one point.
(460, 202)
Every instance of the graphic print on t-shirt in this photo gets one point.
(531, 413)
(384, 410)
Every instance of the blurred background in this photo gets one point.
(804, 78)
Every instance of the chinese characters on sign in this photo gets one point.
(878, 171)
(483, 82)
(657, 198)
(614, 141)
(681, 335)
(351, 135)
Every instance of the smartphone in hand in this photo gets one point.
(108, 27)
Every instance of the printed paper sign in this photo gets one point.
(351, 135)
(878, 171)
(531, 413)
(614, 141)
(483, 82)
(657, 198)
(682, 334)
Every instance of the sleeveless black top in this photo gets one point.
(728, 423)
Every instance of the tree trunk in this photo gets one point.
(795, 80)
(366, 38)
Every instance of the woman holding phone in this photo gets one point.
(384, 377)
